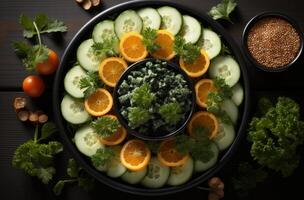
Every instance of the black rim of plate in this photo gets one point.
(134, 66)
(260, 16)
(58, 91)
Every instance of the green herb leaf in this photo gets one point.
(137, 116)
(187, 51)
(102, 156)
(90, 83)
(31, 55)
(106, 48)
(44, 24)
(86, 181)
(72, 168)
(57, 189)
(142, 96)
(47, 130)
(171, 112)
(223, 10)
(105, 126)
(149, 37)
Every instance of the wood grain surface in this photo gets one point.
(15, 185)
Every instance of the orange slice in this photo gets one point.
(165, 40)
(132, 48)
(169, 156)
(111, 69)
(99, 103)
(205, 120)
(199, 67)
(115, 138)
(202, 89)
(135, 155)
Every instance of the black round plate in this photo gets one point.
(67, 62)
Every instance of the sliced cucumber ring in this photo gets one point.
(225, 67)
(231, 109)
(157, 174)
(211, 42)
(201, 166)
(134, 177)
(73, 110)
(86, 57)
(225, 136)
(150, 17)
(115, 168)
(237, 94)
(71, 81)
(171, 19)
(86, 140)
(103, 30)
(191, 30)
(181, 174)
(127, 21)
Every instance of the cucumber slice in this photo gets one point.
(150, 17)
(73, 110)
(115, 168)
(86, 57)
(237, 94)
(191, 30)
(227, 68)
(127, 21)
(86, 140)
(225, 136)
(171, 19)
(134, 177)
(181, 174)
(211, 42)
(71, 81)
(157, 175)
(231, 109)
(103, 30)
(200, 166)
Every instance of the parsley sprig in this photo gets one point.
(90, 83)
(105, 126)
(187, 51)
(102, 156)
(106, 47)
(223, 10)
(149, 37)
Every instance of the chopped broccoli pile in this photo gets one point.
(154, 98)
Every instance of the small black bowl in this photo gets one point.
(256, 19)
(124, 122)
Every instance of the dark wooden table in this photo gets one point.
(15, 184)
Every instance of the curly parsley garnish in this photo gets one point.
(187, 51)
(149, 37)
(105, 126)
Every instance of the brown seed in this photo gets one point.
(79, 1)
(216, 183)
(213, 196)
(95, 2)
(87, 4)
(19, 103)
(43, 118)
(33, 117)
(23, 115)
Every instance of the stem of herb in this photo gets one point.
(36, 133)
(38, 34)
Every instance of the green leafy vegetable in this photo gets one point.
(223, 10)
(36, 159)
(171, 112)
(225, 50)
(137, 116)
(43, 23)
(90, 83)
(276, 135)
(31, 55)
(102, 156)
(47, 130)
(105, 126)
(72, 168)
(142, 96)
(187, 51)
(105, 48)
(149, 37)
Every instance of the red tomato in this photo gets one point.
(33, 86)
(50, 65)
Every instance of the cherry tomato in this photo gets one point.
(50, 65)
(33, 86)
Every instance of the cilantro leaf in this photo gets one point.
(58, 187)
(149, 37)
(72, 168)
(187, 51)
(102, 156)
(90, 83)
(31, 55)
(44, 24)
(105, 126)
(223, 10)
(106, 47)
(47, 130)
(171, 112)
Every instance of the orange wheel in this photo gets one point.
(206, 120)
(135, 155)
(202, 89)
(99, 103)
(132, 48)
(165, 40)
(199, 67)
(169, 156)
(111, 69)
(115, 138)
